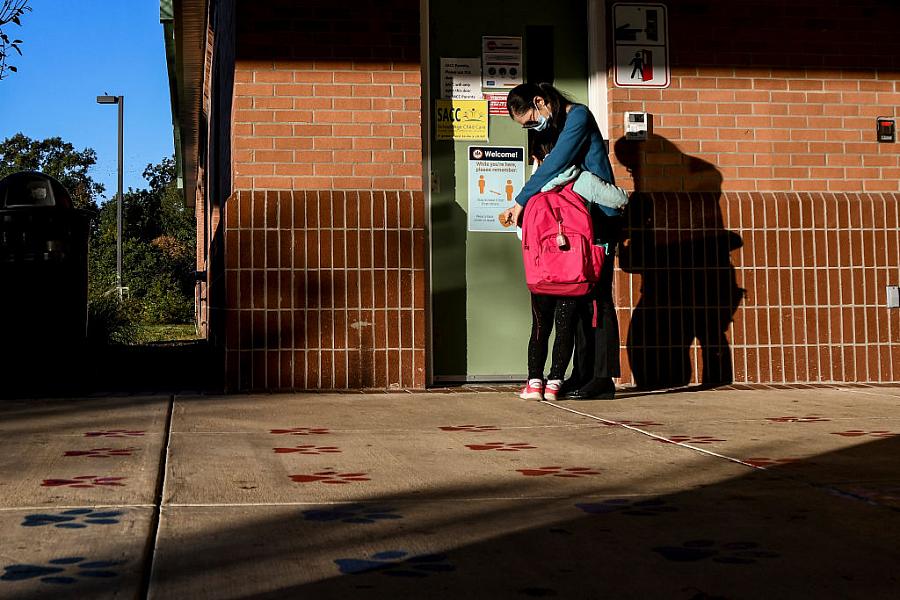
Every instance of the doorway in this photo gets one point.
(480, 308)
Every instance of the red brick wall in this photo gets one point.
(779, 96)
(324, 235)
(327, 125)
(771, 112)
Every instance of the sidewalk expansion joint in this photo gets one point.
(829, 489)
(409, 500)
(654, 436)
(153, 536)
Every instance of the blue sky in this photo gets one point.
(77, 50)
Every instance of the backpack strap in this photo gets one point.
(568, 192)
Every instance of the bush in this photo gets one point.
(164, 303)
(110, 321)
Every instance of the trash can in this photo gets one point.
(43, 268)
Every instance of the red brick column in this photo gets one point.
(324, 234)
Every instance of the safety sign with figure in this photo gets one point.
(496, 175)
(641, 45)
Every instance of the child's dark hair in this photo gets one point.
(521, 99)
(541, 148)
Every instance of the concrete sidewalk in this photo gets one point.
(708, 494)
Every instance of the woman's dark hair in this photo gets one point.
(521, 99)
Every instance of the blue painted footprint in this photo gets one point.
(352, 513)
(640, 508)
(395, 564)
(77, 518)
(65, 570)
(736, 553)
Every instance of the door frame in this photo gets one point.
(597, 102)
(425, 70)
(597, 66)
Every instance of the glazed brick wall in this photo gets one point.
(763, 175)
(325, 289)
(324, 234)
(801, 276)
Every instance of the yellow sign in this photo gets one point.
(461, 119)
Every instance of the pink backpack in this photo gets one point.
(557, 235)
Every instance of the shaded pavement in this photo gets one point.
(476, 494)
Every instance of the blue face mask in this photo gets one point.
(542, 123)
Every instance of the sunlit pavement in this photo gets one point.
(781, 493)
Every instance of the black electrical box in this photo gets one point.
(887, 129)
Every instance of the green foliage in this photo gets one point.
(111, 321)
(158, 249)
(56, 158)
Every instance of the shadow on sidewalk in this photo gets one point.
(819, 527)
(125, 369)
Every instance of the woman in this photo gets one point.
(572, 132)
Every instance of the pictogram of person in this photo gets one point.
(481, 184)
(638, 62)
(509, 190)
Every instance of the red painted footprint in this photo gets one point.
(559, 471)
(692, 439)
(501, 446)
(807, 419)
(332, 477)
(771, 462)
(103, 452)
(860, 432)
(115, 433)
(471, 428)
(301, 431)
(308, 449)
(84, 481)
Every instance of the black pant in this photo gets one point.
(545, 310)
(597, 346)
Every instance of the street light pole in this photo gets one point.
(120, 100)
(121, 103)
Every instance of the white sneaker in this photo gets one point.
(551, 391)
(533, 390)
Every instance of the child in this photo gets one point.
(545, 311)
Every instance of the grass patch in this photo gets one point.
(149, 334)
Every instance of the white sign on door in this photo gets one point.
(641, 45)
(501, 60)
(461, 78)
(496, 175)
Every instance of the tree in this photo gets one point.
(158, 248)
(11, 11)
(56, 158)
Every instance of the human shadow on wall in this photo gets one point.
(675, 239)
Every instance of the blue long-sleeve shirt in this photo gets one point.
(580, 143)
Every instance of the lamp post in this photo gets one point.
(120, 100)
